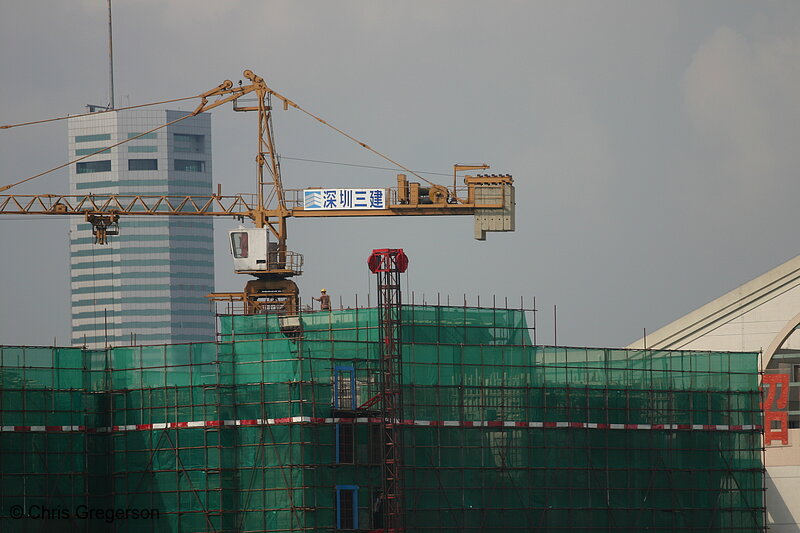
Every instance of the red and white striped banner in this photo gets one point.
(343, 420)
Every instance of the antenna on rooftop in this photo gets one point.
(110, 61)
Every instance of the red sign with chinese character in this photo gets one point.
(775, 402)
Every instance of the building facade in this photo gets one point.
(762, 315)
(148, 284)
(266, 433)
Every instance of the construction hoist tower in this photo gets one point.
(388, 264)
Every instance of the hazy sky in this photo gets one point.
(653, 144)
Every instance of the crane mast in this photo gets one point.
(272, 290)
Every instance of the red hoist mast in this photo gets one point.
(388, 264)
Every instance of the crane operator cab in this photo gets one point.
(252, 250)
(255, 254)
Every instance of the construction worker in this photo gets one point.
(324, 300)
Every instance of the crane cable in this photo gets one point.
(359, 166)
(99, 150)
(7, 126)
(362, 144)
(281, 97)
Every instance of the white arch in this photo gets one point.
(782, 337)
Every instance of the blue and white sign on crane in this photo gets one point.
(329, 199)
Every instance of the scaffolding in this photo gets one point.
(264, 432)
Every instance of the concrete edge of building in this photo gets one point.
(722, 310)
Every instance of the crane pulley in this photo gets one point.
(490, 199)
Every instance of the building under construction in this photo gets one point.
(393, 418)
(286, 429)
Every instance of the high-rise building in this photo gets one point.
(147, 285)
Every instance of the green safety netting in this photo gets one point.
(461, 366)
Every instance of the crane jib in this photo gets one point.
(489, 198)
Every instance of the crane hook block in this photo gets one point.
(103, 226)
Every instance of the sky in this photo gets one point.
(652, 144)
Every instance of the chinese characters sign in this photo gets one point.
(321, 199)
(775, 390)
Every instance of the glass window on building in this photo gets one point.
(90, 138)
(345, 443)
(146, 136)
(344, 381)
(87, 167)
(142, 164)
(188, 165)
(347, 507)
(91, 151)
(189, 143)
(239, 242)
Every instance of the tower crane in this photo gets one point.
(261, 252)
